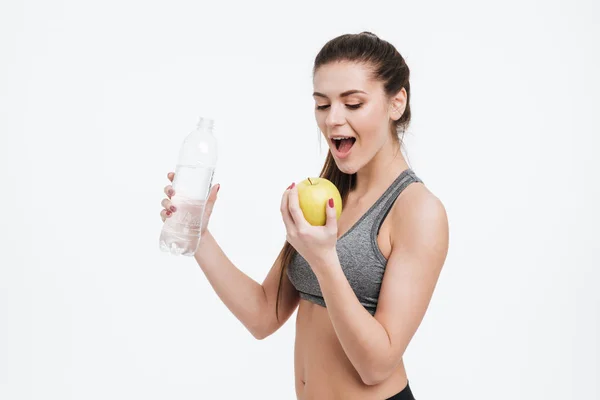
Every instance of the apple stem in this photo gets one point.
(310, 181)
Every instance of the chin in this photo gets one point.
(346, 167)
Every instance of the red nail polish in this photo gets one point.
(218, 187)
(293, 184)
(168, 212)
(331, 202)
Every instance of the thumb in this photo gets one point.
(330, 211)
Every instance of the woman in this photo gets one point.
(362, 283)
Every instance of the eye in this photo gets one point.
(350, 106)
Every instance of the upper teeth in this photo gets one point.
(340, 138)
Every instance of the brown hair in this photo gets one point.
(388, 67)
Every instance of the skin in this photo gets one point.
(342, 351)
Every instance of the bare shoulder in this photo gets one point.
(420, 222)
(418, 198)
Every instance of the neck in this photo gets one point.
(381, 170)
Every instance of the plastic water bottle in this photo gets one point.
(180, 234)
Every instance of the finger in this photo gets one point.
(294, 207)
(170, 176)
(212, 198)
(164, 214)
(166, 203)
(331, 213)
(285, 213)
(169, 191)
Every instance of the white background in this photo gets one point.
(95, 98)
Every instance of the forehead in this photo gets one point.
(334, 78)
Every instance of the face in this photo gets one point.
(355, 125)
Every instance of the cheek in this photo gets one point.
(366, 118)
(366, 126)
(320, 118)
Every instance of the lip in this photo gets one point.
(337, 154)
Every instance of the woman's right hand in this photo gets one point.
(169, 209)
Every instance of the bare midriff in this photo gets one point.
(321, 367)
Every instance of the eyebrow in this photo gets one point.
(346, 93)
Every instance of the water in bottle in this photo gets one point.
(194, 172)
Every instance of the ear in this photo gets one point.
(398, 105)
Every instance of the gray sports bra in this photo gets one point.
(360, 256)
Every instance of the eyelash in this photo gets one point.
(351, 106)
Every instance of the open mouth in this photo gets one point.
(343, 145)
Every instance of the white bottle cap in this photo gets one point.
(206, 123)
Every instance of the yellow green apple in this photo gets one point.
(313, 196)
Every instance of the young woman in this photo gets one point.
(362, 283)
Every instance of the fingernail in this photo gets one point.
(173, 208)
(331, 202)
(218, 187)
(168, 212)
(293, 184)
(289, 187)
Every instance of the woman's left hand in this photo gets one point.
(317, 244)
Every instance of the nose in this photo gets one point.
(335, 116)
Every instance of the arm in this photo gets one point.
(375, 345)
(252, 304)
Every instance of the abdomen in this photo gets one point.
(322, 369)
